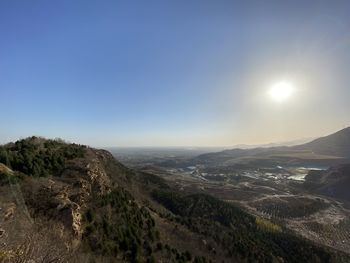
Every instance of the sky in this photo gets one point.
(173, 73)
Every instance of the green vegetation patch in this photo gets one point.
(117, 227)
(39, 157)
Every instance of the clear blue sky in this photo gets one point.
(162, 73)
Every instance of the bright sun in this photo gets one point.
(281, 91)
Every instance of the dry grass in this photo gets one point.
(267, 225)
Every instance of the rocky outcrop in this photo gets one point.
(65, 198)
(5, 169)
(9, 211)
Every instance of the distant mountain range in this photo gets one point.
(272, 144)
(329, 150)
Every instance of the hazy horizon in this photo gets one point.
(174, 73)
(239, 145)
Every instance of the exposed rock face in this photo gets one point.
(71, 216)
(64, 198)
(53, 201)
(9, 212)
(5, 169)
(49, 210)
(89, 172)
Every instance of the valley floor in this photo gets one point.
(277, 198)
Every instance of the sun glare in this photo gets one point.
(281, 91)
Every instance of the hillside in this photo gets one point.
(336, 144)
(65, 202)
(333, 182)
